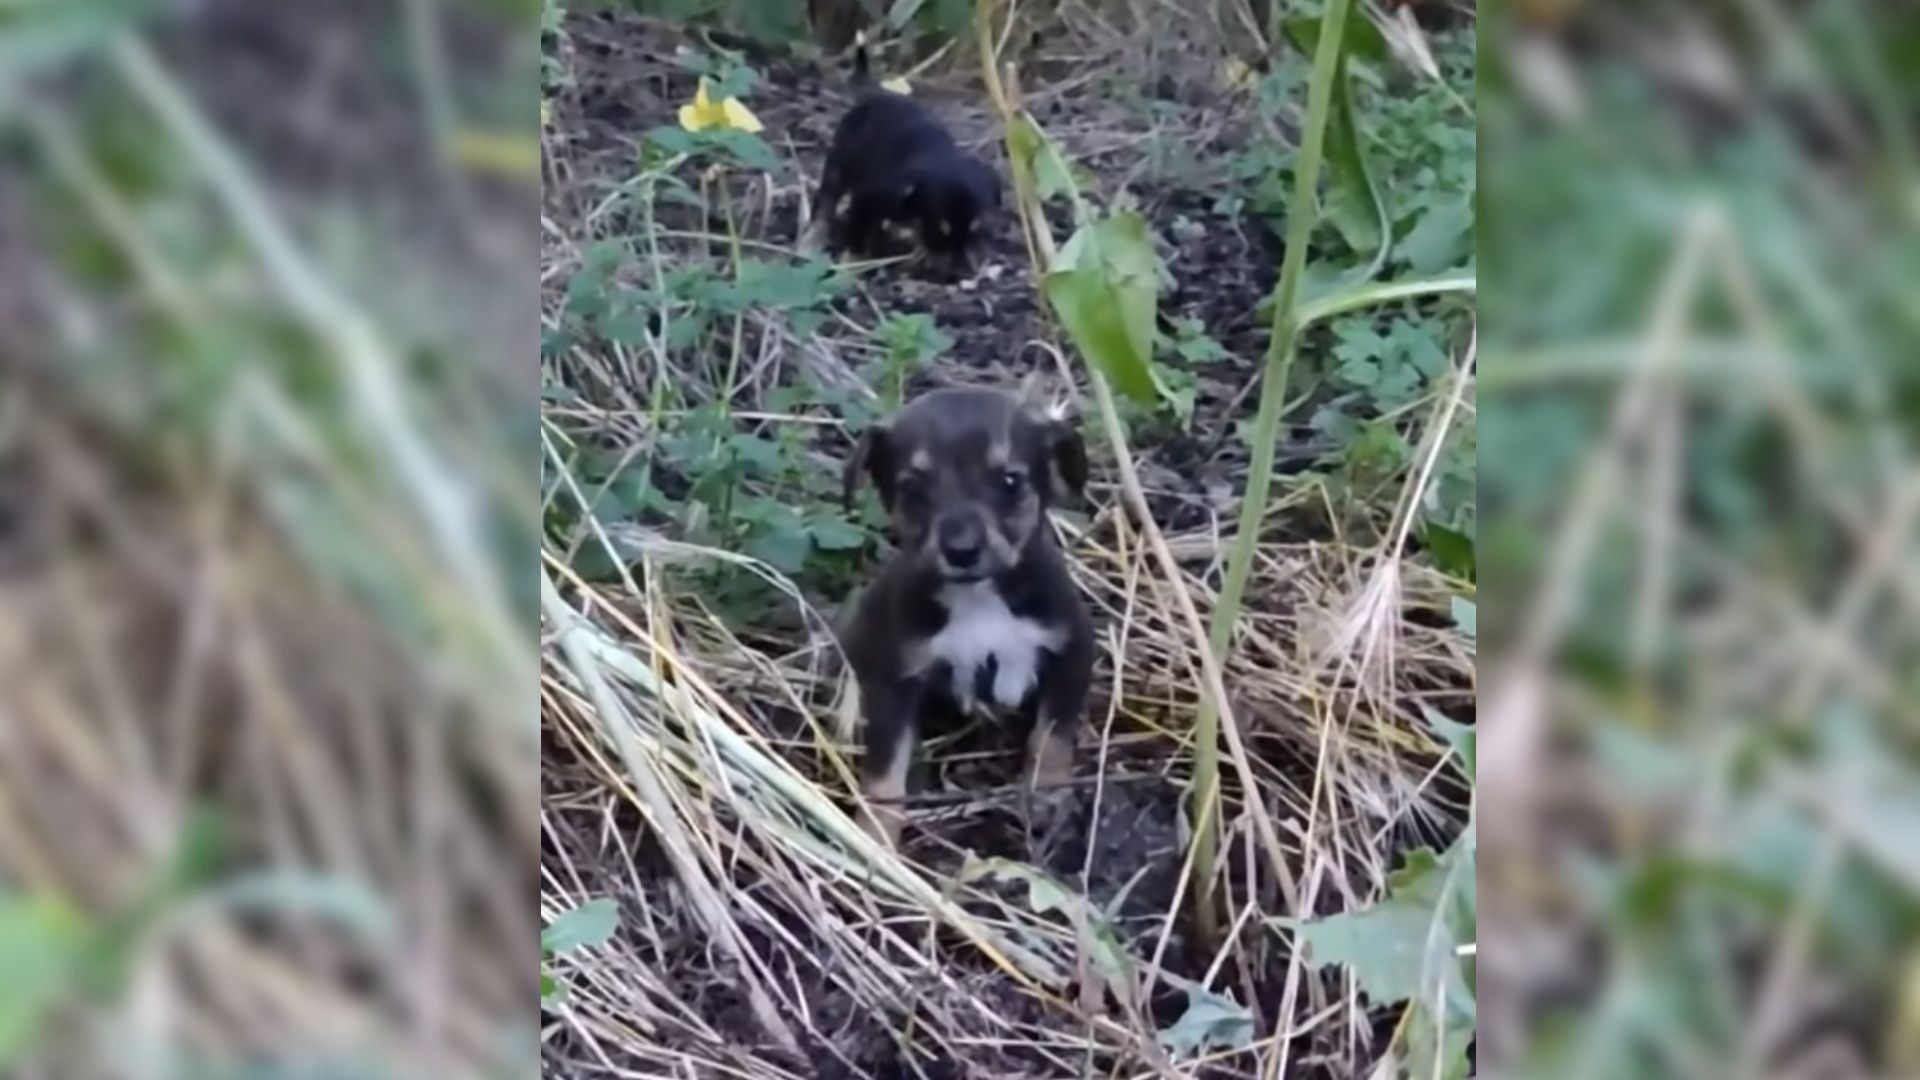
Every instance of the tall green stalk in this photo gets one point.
(1303, 212)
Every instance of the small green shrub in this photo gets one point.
(908, 344)
(703, 472)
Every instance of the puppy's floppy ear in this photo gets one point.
(1069, 455)
(873, 455)
(986, 185)
(1066, 454)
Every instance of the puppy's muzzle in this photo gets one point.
(962, 542)
(960, 539)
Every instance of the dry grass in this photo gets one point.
(653, 707)
(163, 653)
(262, 696)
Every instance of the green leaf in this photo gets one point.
(1432, 1049)
(1466, 617)
(1383, 946)
(551, 992)
(1377, 450)
(592, 923)
(1211, 1021)
(1340, 301)
(781, 548)
(1462, 738)
(761, 456)
(1640, 765)
(1405, 946)
(1192, 343)
(1451, 550)
(39, 35)
(673, 140)
(1105, 288)
(198, 853)
(631, 326)
(1442, 239)
(911, 340)
(744, 147)
(726, 69)
(902, 13)
(1177, 390)
(347, 903)
(43, 947)
(776, 534)
(832, 532)
(1036, 156)
(1354, 204)
(787, 285)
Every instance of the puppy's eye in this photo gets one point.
(1011, 481)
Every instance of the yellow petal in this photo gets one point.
(898, 85)
(700, 115)
(736, 115)
(1238, 75)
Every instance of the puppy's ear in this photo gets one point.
(873, 455)
(1069, 455)
(987, 184)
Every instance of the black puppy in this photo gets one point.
(892, 163)
(977, 608)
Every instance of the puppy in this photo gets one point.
(893, 164)
(977, 607)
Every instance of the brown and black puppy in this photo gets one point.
(977, 606)
(893, 163)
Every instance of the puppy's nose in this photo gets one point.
(961, 539)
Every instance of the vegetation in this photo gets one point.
(1696, 484)
(703, 382)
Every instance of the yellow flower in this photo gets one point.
(1238, 75)
(898, 85)
(706, 113)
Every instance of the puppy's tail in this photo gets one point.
(862, 64)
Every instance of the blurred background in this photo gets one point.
(267, 745)
(1698, 493)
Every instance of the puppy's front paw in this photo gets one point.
(883, 822)
(814, 236)
(1049, 812)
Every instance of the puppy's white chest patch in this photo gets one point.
(981, 628)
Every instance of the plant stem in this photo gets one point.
(1303, 212)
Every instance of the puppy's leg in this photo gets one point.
(869, 212)
(819, 232)
(892, 711)
(1050, 744)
